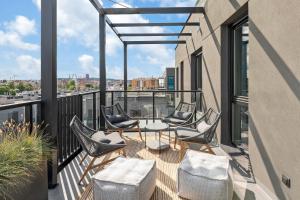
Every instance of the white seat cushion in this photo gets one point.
(126, 179)
(205, 165)
(205, 177)
(203, 126)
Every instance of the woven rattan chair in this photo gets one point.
(202, 131)
(117, 120)
(96, 144)
(183, 114)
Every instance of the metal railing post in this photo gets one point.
(94, 111)
(28, 116)
(153, 106)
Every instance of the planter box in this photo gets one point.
(36, 189)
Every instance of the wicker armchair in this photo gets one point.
(183, 114)
(117, 120)
(202, 134)
(96, 143)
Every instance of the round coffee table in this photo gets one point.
(157, 127)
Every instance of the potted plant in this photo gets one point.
(23, 162)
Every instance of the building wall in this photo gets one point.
(274, 74)
(275, 93)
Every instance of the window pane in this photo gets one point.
(241, 49)
(240, 133)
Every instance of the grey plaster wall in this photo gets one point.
(274, 89)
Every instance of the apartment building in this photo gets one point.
(245, 58)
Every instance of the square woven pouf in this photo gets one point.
(126, 179)
(204, 176)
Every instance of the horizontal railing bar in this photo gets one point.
(153, 10)
(156, 24)
(157, 42)
(154, 91)
(17, 105)
(153, 34)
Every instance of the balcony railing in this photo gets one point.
(153, 104)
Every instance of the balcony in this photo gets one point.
(212, 72)
(147, 106)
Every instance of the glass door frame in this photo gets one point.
(237, 101)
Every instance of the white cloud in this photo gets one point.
(79, 21)
(22, 25)
(114, 72)
(87, 64)
(15, 40)
(38, 4)
(15, 31)
(28, 67)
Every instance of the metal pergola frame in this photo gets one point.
(103, 12)
(49, 55)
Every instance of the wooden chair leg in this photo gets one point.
(175, 142)
(182, 149)
(124, 152)
(84, 157)
(120, 132)
(209, 149)
(140, 132)
(89, 167)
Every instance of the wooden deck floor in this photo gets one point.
(166, 163)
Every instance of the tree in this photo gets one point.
(28, 87)
(71, 85)
(21, 87)
(89, 85)
(11, 85)
(4, 89)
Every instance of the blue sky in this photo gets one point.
(78, 40)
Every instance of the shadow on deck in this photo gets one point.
(167, 163)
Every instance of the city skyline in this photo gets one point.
(77, 43)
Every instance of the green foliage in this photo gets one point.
(71, 85)
(21, 156)
(21, 86)
(88, 85)
(11, 85)
(4, 89)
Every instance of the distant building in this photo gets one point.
(145, 83)
(169, 76)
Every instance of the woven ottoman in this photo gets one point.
(204, 176)
(126, 179)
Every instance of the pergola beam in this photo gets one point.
(153, 34)
(156, 42)
(158, 10)
(100, 9)
(156, 24)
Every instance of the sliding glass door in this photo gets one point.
(240, 58)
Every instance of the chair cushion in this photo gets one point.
(126, 124)
(98, 135)
(204, 176)
(183, 132)
(112, 138)
(205, 165)
(116, 118)
(126, 179)
(203, 126)
(172, 120)
(182, 115)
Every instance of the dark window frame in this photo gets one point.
(236, 100)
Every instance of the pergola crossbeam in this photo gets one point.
(156, 24)
(153, 34)
(158, 10)
(156, 42)
(100, 9)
